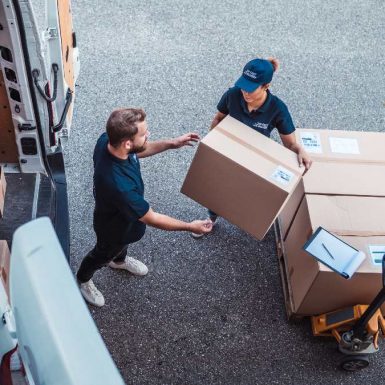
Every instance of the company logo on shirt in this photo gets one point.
(250, 74)
(261, 125)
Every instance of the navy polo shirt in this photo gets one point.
(119, 196)
(272, 114)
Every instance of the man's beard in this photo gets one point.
(137, 150)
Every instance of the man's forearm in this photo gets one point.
(156, 147)
(164, 222)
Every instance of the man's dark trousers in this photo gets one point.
(106, 251)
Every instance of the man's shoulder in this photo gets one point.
(115, 174)
(100, 147)
(102, 141)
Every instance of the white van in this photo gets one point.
(47, 335)
(39, 66)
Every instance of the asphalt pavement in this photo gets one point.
(211, 311)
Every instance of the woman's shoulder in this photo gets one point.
(232, 93)
(278, 102)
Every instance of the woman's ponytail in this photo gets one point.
(274, 62)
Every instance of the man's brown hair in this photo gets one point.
(122, 124)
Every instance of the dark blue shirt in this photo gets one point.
(119, 195)
(272, 114)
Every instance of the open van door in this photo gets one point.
(39, 67)
(47, 318)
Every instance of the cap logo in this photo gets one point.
(250, 74)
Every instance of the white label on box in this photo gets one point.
(344, 145)
(311, 141)
(283, 176)
(376, 253)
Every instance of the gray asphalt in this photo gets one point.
(212, 311)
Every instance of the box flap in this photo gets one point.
(256, 153)
(345, 179)
(256, 142)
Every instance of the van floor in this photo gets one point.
(19, 202)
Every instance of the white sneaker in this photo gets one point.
(132, 265)
(92, 294)
(197, 236)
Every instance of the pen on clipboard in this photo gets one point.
(327, 250)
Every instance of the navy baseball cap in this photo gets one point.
(255, 73)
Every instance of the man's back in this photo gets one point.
(118, 192)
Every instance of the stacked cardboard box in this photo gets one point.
(344, 192)
(249, 179)
(243, 176)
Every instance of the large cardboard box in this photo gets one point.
(242, 175)
(3, 187)
(344, 163)
(4, 264)
(359, 221)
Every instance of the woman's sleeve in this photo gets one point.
(223, 103)
(283, 121)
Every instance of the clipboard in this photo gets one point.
(334, 253)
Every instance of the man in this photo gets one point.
(121, 212)
(251, 102)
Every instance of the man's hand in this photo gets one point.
(185, 140)
(153, 148)
(201, 227)
(304, 159)
(165, 222)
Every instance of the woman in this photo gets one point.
(251, 102)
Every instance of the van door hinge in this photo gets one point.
(26, 127)
(51, 33)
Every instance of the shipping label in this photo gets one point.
(376, 253)
(344, 145)
(311, 141)
(283, 176)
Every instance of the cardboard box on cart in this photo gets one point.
(242, 175)
(356, 220)
(344, 163)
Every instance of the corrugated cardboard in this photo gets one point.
(3, 187)
(4, 264)
(338, 145)
(360, 174)
(232, 174)
(359, 221)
